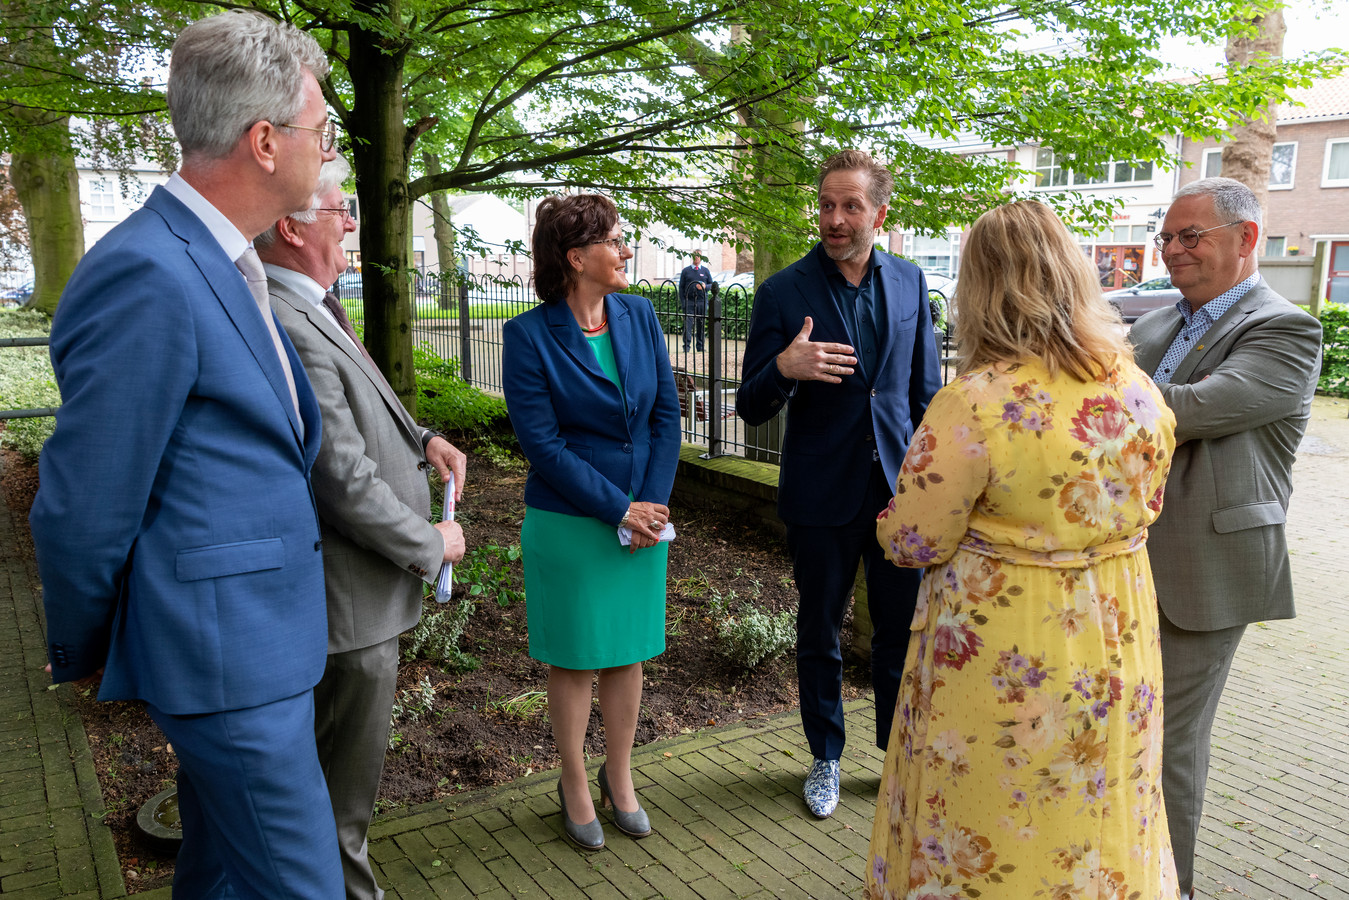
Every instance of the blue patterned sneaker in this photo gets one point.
(822, 788)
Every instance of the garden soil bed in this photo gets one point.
(487, 726)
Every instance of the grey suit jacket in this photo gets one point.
(1242, 398)
(369, 485)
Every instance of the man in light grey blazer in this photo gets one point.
(370, 488)
(1238, 365)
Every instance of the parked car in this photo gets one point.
(941, 291)
(728, 278)
(1132, 302)
(348, 285)
(17, 296)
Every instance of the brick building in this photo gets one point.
(1309, 179)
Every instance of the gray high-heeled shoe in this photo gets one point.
(589, 836)
(633, 824)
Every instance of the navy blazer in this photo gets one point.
(832, 428)
(588, 444)
(176, 532)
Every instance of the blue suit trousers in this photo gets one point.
(825, 562)
(257, 824)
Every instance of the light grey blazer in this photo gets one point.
(1242, 398)
(369, 485)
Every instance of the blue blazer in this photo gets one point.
(832, 428)
(175, 528)
(589, 445)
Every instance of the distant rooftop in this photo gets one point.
(1325, 99)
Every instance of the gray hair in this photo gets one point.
(1232, 200)
(333, 173)
(232, 70)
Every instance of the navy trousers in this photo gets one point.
(257, 824)
(825, 561)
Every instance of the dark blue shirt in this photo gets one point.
(863, 308)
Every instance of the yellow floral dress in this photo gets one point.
(1025, 759)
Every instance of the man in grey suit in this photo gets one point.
(373, 502)
(1237, 364)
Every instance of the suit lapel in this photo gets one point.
(893, 291)
(621, 336)
(813, 287)
(1156, 339)
(1218, 330)
(231, 291)
(339, 340)
(564, 329)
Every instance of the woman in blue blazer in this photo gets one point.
(590, 394)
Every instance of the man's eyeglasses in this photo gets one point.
(1188, 237)
(616, 244)
(342, 211)
(328, 134)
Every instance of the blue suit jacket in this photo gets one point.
(832, 428)
(175, 528)
(587, 447)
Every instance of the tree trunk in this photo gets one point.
(49, 190)
(380, 150)
(768, 160)
(442, 228)
(1247, 156)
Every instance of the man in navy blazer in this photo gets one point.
(175, 527)
(843, 337)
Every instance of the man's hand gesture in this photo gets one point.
(806, 360)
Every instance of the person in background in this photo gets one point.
(1238, 366)
(843, 337)
(1026, 752)
(379, 549)
(591, 396)
(176, 533)
(694, 283)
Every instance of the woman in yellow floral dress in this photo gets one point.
(1025, 759)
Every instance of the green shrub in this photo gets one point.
(446, 402)
(436, 636)
(26, 381)
(1335, 352)
(409, 706)
(756, 636)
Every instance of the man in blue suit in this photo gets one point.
(176, 532)
(694, 283)
(843, 337)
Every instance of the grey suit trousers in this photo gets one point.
(357, 691)
(1195, 665)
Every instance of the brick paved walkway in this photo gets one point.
(725, 804)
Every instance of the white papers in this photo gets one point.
(625, 534)
(445, 581)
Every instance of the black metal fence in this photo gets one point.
(461, 318)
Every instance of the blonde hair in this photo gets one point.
(1026, 290)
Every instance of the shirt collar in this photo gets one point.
(230, 239)
(831, 269)
(296, 282)
(1219, 304)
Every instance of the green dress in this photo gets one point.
(590, 603)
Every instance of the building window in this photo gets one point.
(1336, 172)
(1275, 246)
(940, 254)
(1213, 163)
(102, 201)
(1052, 171)
(1281, 167)
(1048, 172)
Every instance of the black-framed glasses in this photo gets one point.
(616, 244)
(1188, 237)
(328, 133)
